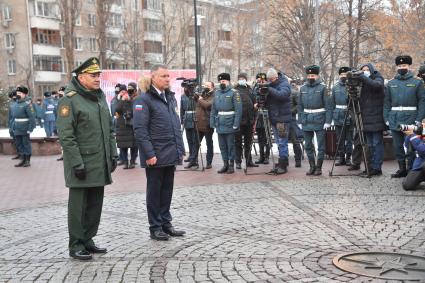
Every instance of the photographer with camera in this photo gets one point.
(247, 121)
(343, 131)
(261, 79)
(226, 113)
(404, 104)
(187, 116)
(415, 139)
(203, 114)
(124, 127)
(315, 116)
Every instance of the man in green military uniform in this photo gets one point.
(89, 153)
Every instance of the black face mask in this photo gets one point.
(131, 91)
(311, 81)
(402, 71)
(343, 80)
(223, 86)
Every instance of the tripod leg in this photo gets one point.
(252, 143)
(269, 138)
(359, 125)
(338, 144)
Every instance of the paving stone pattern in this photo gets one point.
(272, 231)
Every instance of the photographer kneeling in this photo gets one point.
(415, 139)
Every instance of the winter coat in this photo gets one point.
(226, 111)
(203, 113)
(157, 128)
(278, 101)
(124, 124)
(339, 104)
(23, 117)
(187, 111)
(248, 101)
(85, 132)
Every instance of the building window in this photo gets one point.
(111, 65)
(224, 35)
(111, 43)
(152, 4)
(92, 20)
(43, 36)
(115, 20)
(152, 25)
(11, 67)
(46, 9)
(153, 47)
(93, 44)
(78, 43)
(10, 40)
(62, 41)
(91, 1)
(135, 5)
(78, 20)
(7, 16)
(120, 3)
(225, 53)
(47, 63)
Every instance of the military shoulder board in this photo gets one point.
(71, 93)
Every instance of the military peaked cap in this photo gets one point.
(91, 66)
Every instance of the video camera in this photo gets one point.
(262, 91)
(419, 130)
(354, 83)
(190, 85)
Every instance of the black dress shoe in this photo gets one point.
(209, 166)
(60, 159)
(354, 167)
(81, 255)
(173, 232)
(159, 235)
(96, 250)
(187, 160)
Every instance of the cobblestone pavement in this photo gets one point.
(273, 231)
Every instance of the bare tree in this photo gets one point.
(103, 13)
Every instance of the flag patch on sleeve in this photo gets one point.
(138, 107)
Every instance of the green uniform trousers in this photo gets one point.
(84, 211)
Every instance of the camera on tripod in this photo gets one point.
(190, 85)
(354, 83)
(262, 93)
(419, 130)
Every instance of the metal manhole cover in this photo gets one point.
(392, 266)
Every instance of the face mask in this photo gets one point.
(131, 91)
(402, 71)
(311, 81)
(343, 80)
(223, 86)
(242, 82)
(366, 73)
(18, 97)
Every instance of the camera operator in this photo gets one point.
(278, 103)
(404, 104)
(187, 116)
(247, 121)
(203, 114)
(261, 79)
(415, 140)
(226, 113)
(315, 115)
(124, 128)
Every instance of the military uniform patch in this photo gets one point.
(64, 111)
(238, 98)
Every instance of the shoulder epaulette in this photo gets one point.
(71, 93)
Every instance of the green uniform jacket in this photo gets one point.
(85, 131)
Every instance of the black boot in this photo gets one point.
(238, 165)
(231, 169)
(132, 164)
(348, 159)
(341, 160)
(250, 163)
(312, 168)
(17, 157)
(298, 154)
(192, 164)
(267, 155)
(27, 161)
(125, 165)
(318, 170)
(261, 160)
(224, 168)
(298, 163)
(22, 162)
(401, 172)
(282, 166)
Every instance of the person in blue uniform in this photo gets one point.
(315, 115)
(343, 131)
(226, 114)
(404, 104)
(49, 107)
(39, 112)
(12, 102)
(23, 124)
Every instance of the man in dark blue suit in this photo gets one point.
(158, 135)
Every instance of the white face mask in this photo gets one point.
(366, 73)
(242, 82)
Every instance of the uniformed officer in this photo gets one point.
(226, 113)
(187, 116)
(295, 133)
(39, 112)
(49, 107)
(262, 113)
(23, 116)
(404, 104)
(12, 102)
(89, 155)
(343, 131)
(315, 115)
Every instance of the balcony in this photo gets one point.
(153, 57)
(153, 36)
(50, 50)
(47, 77)
(44, 23)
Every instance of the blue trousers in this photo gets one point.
(375, 143)
(282, 142)
(159, 192)
(227, 146)
(23, 144)
(321, 144)
(49, 127)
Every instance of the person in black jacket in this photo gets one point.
(247, 122)
(124, 128)
(158, 135)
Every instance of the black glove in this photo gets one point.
(80, 172)
(114, 164)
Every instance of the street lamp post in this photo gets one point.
(197, 45)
